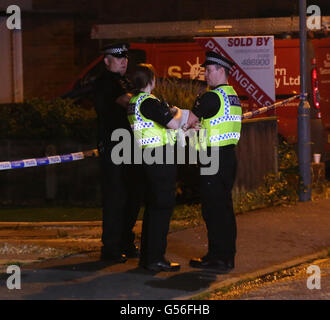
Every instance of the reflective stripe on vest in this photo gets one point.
(224, 128)
(148, 133)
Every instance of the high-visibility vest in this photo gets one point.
(224, 128)
(148, 133)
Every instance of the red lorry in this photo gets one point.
(184, 59)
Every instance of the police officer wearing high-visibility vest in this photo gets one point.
(120, 198)
(219, 112)
(150, 118)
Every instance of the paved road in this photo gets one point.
(268, 240)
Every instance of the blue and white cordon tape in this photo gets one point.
(251, 114)
(26, 163)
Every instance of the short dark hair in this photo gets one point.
(142, 76)
(226, 70)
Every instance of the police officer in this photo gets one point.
(149, 119)
(119, 215)
(219, 111)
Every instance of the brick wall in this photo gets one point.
(48, 54)
(56, 48)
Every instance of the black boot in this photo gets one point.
(163, 265)
(209, 262)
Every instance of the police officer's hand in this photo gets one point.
(193, 121)
(173, 110)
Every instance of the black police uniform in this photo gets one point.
(119, 213)
(217, 204)
(160, 182)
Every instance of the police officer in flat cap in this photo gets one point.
(111, 99)
(219, 112)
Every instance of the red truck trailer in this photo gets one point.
(183, 60)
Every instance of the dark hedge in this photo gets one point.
(42, 119)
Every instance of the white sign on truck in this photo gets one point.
(253, 71)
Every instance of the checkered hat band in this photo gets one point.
(116, 50)
(223, 137)
(146, 141)
(219, 61)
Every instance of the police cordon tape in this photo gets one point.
(26, 163)
(35, 162)
(251, 114)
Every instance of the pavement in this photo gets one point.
(294, 283)
(268, 240)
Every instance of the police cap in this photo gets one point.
(214, 58)
(118, 50)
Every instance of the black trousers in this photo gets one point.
(160, 182)
(217, 205)
(121, 199)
